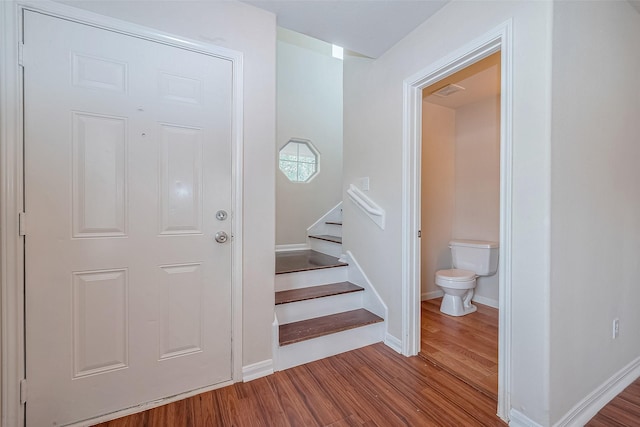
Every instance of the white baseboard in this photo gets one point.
(518, 419)
(392, 342)
(485, 301)
(431, 295)
(292, 247)
(257, 370)
(586, 409)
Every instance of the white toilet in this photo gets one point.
(471, 258)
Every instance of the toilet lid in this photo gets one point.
(456, 275)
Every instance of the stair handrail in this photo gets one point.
(373, 211)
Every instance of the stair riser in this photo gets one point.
(318, 348)
(333, 230)
(317, 307)
(329, 248)
(304, 279)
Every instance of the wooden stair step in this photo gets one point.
(328, 238)
(312, 292)
(295, 261)
(291, 333)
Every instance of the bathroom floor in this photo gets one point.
(465, 346)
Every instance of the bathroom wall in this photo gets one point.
(438, 193)
(477, 185)
(460, 186)
(309, 106)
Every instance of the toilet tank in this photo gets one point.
(478, 256)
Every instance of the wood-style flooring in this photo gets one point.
(294, 261)
(623, 411)
(371, 386)
(465, 346)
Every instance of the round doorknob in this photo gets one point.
(221, 237)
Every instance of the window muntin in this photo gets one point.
(299, 160)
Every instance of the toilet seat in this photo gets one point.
(456, 274)
(455, 278)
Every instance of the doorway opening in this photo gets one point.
(498, 40)
(460, 201)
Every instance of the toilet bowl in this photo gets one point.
(470, 259)
(457, 286)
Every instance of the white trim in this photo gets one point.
(431, 295)
(149, 405)
(588, 407)
(11, 194)
(486, 301)
(371, 299)
(393, 342)
(319, 227)
(518, 419)
(292, 247)
(11, 202)
(498, 39)
(257, 370)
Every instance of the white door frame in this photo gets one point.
(499, 39)
(12, 191)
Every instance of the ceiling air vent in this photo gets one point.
(447, 90)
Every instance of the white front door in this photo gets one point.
(127, 161)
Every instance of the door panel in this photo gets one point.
(127, 159)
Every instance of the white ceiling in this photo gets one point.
(368, 27)
(479, 86)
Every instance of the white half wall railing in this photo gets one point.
(370, 208)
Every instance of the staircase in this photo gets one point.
(319, 312)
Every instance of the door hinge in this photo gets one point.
(419, 234)
(23, 391)
(22, 224)
(21, 54)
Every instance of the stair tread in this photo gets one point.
(327, 237)
(312, 292)
(291, 333)
(295, 261)
(334, 222)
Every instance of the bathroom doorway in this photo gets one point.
(460, 200)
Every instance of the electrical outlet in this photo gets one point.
(616, 328)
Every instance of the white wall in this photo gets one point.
(460, 186)
(373, 147)
(251, 31)
(438, 192)
(309, 106)
(595, 229)
(477, 186)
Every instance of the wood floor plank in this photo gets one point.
(312, 292)
(623, 410)
(465, 346)
(372, 386)
(327, 237)
(294, 261)
(291, 333)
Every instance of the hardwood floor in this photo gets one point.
(291, 333)
(624, 410)
(294, 261)
(371, 386)
(465, 346)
